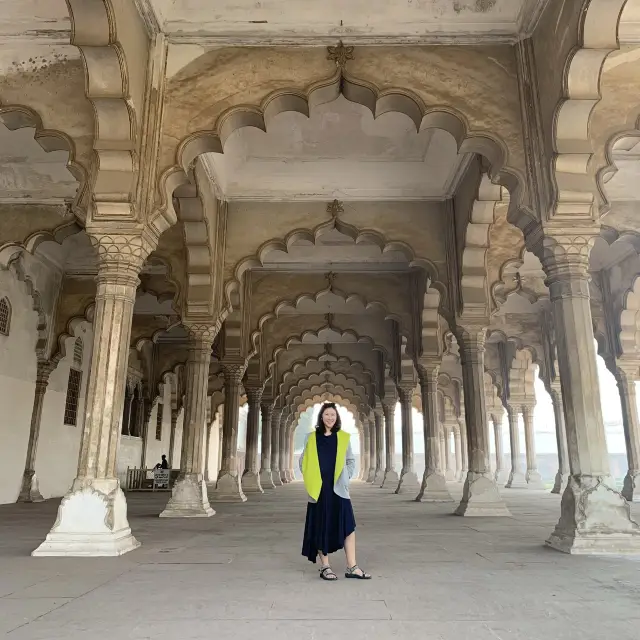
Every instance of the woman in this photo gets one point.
(327, 464)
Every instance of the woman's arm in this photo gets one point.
(350, 461)
(301, 458)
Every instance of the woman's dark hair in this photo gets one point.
(320, 425)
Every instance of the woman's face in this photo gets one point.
(329, 417)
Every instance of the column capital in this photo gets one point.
(428, 371)
(43, 371)
(405, 391)
(471, 340)
(121, 252)
(201, 335)
(254, 394)
(564, 256)
(627, 371)
(234, 370)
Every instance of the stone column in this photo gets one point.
(92, 517)
(562, 477)
(207, 451)
(275, 447)
(443, 452)
(458, 450)
(450, 458)
(462, 426)
(480, 496)
(391, 477)
(533, 478)
(220, 439)
(516, 479)
(172, 436)
(595, 518)
(497, 434)
(266, 481)
(434, 486)
(372, 449)
(229, 485)
(379, 474)
(282, 437)
(626, 379)
(408, 479)
(251, 475)
(30, 490)
(292, 473)
(189, 498)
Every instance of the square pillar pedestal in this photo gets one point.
(92, 522)
(189, 498)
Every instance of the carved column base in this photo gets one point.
(251, 482)
(189, 498)
(534, 480)
(501, 477)
(433, 488)
(379, 477)
(228, 489)
(30, 490)
(560, 483)
(450, 475)
(284, 476)
(516, 481)
(92, 521)
(372, 475)
(408, 483)
(594, 520)
(390, 480)
(266, 479)
(481, 497)
(277, 479)
(631, 486)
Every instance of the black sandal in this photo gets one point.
(351, 573)
(327, 572)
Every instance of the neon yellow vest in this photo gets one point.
(311, 463)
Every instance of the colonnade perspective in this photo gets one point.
(293, 225)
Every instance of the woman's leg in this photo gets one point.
(350, 549)
(324, 560)
(325, 570)
(350, 552)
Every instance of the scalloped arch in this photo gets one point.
(312, 235)
(70, 332)
(598, 38)
(347, 404)
(298, 339)
(318, 389)
(16, 117)
(375, 305)
(94, 31)
(321, 383)
(300, 366)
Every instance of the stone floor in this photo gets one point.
(240, 576)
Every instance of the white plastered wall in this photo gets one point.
(156, 448)
(17, 385)
(59, 444)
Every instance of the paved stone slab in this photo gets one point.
(240, 575)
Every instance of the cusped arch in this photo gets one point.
(474, 285)
(304, 379)
(326, 90)
(347, 404)
(374, 305)
(94, 31)
(580, 94)
(630, 323)
(311, 235)
(313, 381)
(301, 367)
(16, 117)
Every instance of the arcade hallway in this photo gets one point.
(239, 575)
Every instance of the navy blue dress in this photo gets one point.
(330, 520)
